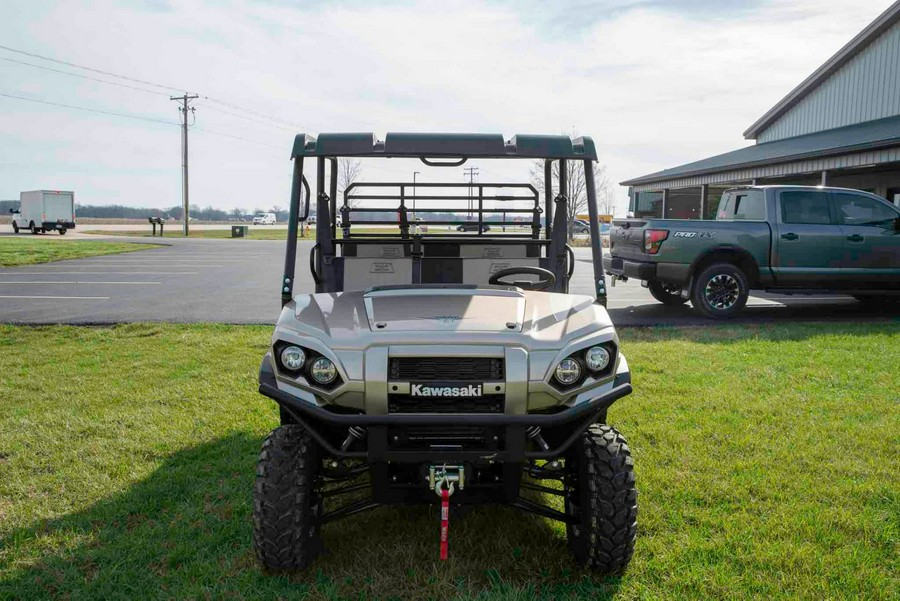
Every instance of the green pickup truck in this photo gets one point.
(787, 239)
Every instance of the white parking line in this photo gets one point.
(7, 273)
(92, 283)
(58, 297)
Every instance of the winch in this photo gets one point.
(441, 479)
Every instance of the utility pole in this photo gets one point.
(472, 172)
(183, 110)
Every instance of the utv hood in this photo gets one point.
(444, 315)
(445, 309)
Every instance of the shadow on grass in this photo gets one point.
(185, 532)
(725, 333)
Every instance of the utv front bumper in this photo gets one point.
(444, 437)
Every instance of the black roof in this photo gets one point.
(444, 145)
(869, 135)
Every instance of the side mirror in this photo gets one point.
(12, 210)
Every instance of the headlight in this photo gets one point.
(293, 358)
(567, 372)
(323, 371)
(597, 358)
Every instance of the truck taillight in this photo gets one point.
(653, 239)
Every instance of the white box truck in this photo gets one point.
(44, 210)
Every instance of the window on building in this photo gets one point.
(713, 196)
(893, 196)
(683, 203)
(855, 209)
(743, 205)
(804, 206)
(648, 204)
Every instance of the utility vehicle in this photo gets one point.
(44, 211)
(265, 219)
(442, 367)
(786, 239)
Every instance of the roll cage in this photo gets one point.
(434, 258)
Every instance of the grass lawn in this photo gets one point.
(768, 465)
(28, 251)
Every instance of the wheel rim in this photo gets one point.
(722, 291)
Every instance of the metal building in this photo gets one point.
(840, 127)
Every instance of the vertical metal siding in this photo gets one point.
(866, 88)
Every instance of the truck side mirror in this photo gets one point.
(12, 210)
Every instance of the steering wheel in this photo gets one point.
(547, 279)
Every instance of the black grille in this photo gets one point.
(439, 369)
(404, 403)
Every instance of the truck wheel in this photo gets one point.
(286, 504)
(33, 229)
(601, 496)
(720, 291)
(62, 232)
(667, 294)
(15, 227)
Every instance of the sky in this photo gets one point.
(655, 83)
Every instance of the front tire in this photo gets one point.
(601, 496)
(15, 227)
(286, 503)
(720, 291)
(667, 294)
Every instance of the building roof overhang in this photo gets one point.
(869, 135)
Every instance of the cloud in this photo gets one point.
(656, 84)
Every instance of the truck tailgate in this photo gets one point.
(59, 206)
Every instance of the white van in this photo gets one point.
(44, 210)
(264, 219)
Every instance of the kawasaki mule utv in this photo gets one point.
(432, 366)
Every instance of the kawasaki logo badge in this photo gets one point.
(472, 390)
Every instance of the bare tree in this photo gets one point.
(606, 191)
(349, 172)
(576, 192)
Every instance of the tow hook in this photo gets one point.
(441, 479)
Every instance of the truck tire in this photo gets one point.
(33, 229)
(62, 232)
(15, 227)
(667, 294)
(601, 496)
(286, 504)
(720, 291)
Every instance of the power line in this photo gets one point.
(135, 117)
(102, 72)
(140, 81)
(251, 119)
(89, 110)
(112, 83)
(251, 111)
(218, 133)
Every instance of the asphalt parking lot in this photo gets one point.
(237, 281)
